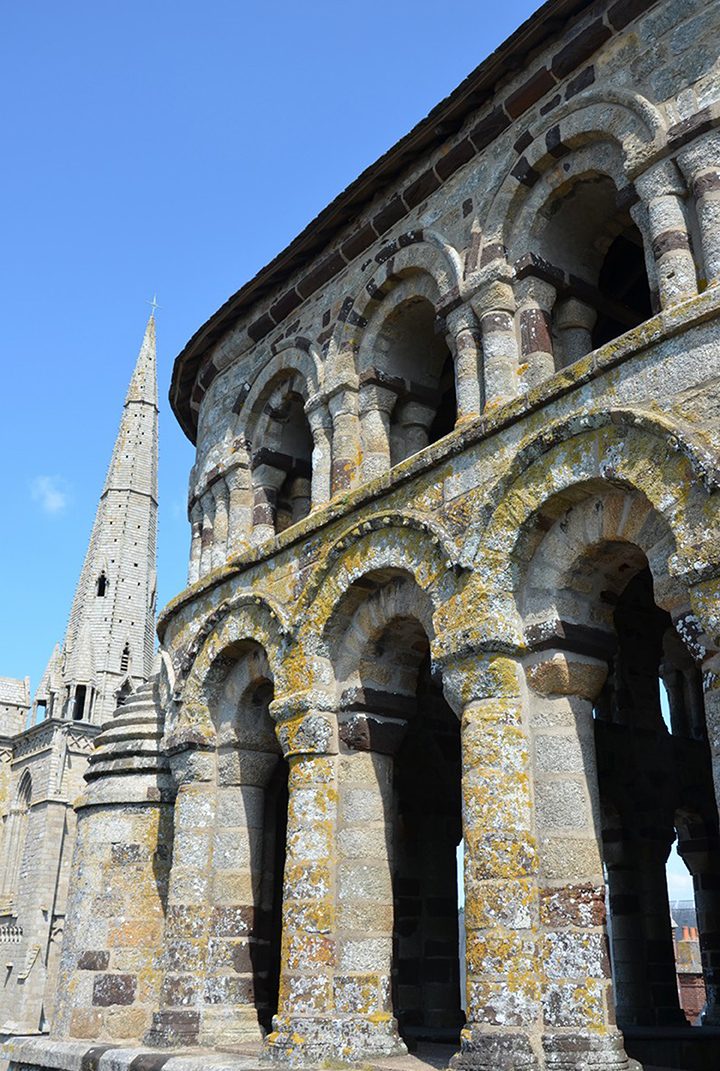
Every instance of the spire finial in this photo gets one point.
(153, 304)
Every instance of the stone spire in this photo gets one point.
(108, 649)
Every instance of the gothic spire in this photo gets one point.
(109, 642)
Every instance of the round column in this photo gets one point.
(700, 163)
(464, 339)
(196, 515)
(494, 307)
(343, 404)
(663, 191)
(220, 526)
(536, 300)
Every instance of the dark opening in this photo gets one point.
(267, 851)
(426, 971)
(446, 414)
(623, 284)
(79, 704)
(102, 584)
(649, 777)
(125, 659)
(417, 359)
(267, 966)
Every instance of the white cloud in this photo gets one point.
(51, 493)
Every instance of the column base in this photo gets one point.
(587, 1052)
(494, 1050)
(173, 1029)
(301, 1039)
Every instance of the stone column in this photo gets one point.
(412, 427)
(240, 507)
(536, 300)
(343, 404)
(494, 307)
(577, 999)
(196, 517)
(504, 957)
(375, 406)
(220, 525)
(464, 339)
(267, 481)
(206, 536)
(663, 191)
(365, 915)
(700, 164)
(306, 1028)
(322, 432)
(110, 977)
(574, 320)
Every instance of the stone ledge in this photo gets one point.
(41, 1053)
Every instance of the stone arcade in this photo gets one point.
(454, 519)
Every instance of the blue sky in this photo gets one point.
(170, 148)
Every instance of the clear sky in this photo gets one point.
(172, 148)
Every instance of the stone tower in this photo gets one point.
(109, 642)
(106, 654)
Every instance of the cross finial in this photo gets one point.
(154, 304)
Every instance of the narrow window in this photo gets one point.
(102, 585)
(79, 707)
(125, 659)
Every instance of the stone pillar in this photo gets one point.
(504, 957)
(177, 1020)
(220, 525)
(110, 977)
(663, 191)
(375, 406)
(464, 339)
(343, 404)
(574, 320)
(196, 516)
(494, 306)
(322, 432)
(306, 1027)
(206, 536)
(536, 300)
(267, 481)
(577, 1000)
(240, 507)
(365, 915)
(700, 164)
(411, 430)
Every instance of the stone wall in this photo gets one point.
(454, 511)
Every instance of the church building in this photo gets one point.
(454, 548)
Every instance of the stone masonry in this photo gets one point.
(44, 746)
(455, 524)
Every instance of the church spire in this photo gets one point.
(109, 643)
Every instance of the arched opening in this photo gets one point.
(428, 830)
(125, 658)
(282, 461)
(591, 257)
(251, 827)
(400, 741)
(14, 841)
(655, 787)
(101, 585)
(412, 376)
(600, 643)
